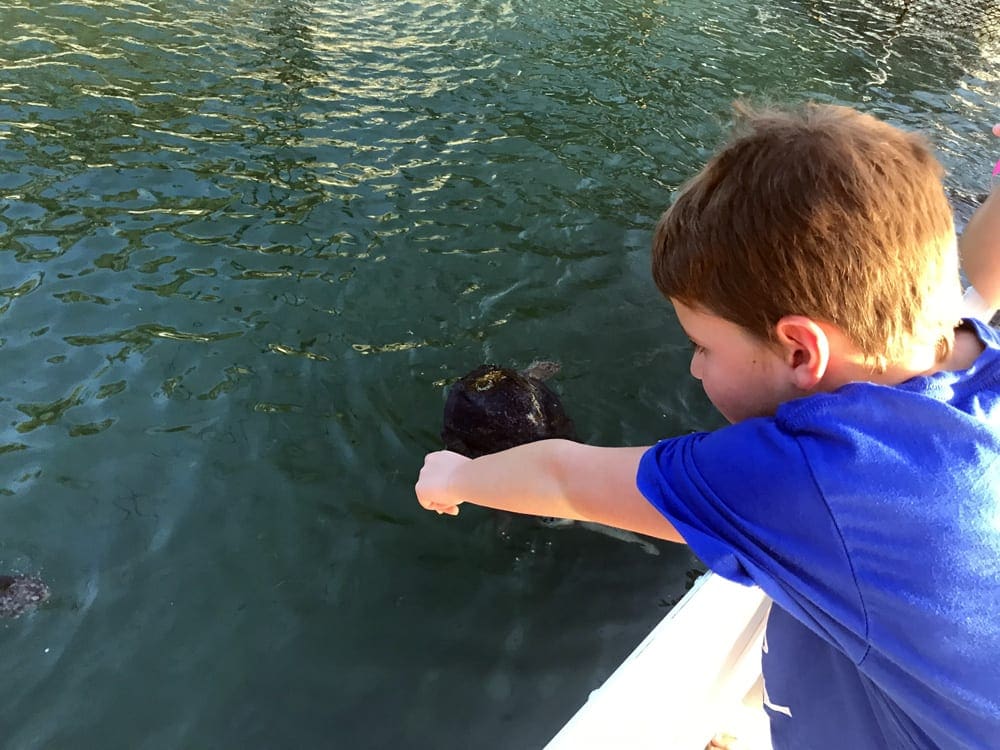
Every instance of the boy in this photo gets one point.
(813, 264)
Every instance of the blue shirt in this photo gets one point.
(872, 517)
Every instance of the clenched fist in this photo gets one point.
(433, 485)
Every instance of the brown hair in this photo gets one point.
(819, 211)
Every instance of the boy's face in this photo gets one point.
(743, 376)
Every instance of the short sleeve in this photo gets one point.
(745, 501)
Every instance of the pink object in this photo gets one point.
(996, 168)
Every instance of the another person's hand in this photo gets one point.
(433, 485)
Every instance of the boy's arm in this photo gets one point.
(979, 247)
(548, 478)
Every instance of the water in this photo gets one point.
(246, 245)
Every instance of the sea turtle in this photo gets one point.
(20, 594)
(494, 408)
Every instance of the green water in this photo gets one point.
(245, 245)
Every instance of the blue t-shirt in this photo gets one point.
(872, 517)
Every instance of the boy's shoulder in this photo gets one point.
(974, 391)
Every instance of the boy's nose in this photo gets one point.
(696, 367)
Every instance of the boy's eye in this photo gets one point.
(698, 348)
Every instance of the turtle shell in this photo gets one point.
(495, 408)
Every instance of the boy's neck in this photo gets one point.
(847, 366)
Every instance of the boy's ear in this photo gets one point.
(805, 348)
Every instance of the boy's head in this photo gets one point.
(821, 212)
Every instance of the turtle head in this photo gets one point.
(541, 369)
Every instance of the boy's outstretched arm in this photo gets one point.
(549, 478)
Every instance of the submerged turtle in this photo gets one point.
(495, 408)
(20, 594)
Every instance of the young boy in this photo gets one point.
(813, 265)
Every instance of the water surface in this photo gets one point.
(245, 247)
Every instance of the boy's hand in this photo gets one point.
(435, 478)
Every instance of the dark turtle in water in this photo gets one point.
(20, 594)
(495, 408)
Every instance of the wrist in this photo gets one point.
(453, 486)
